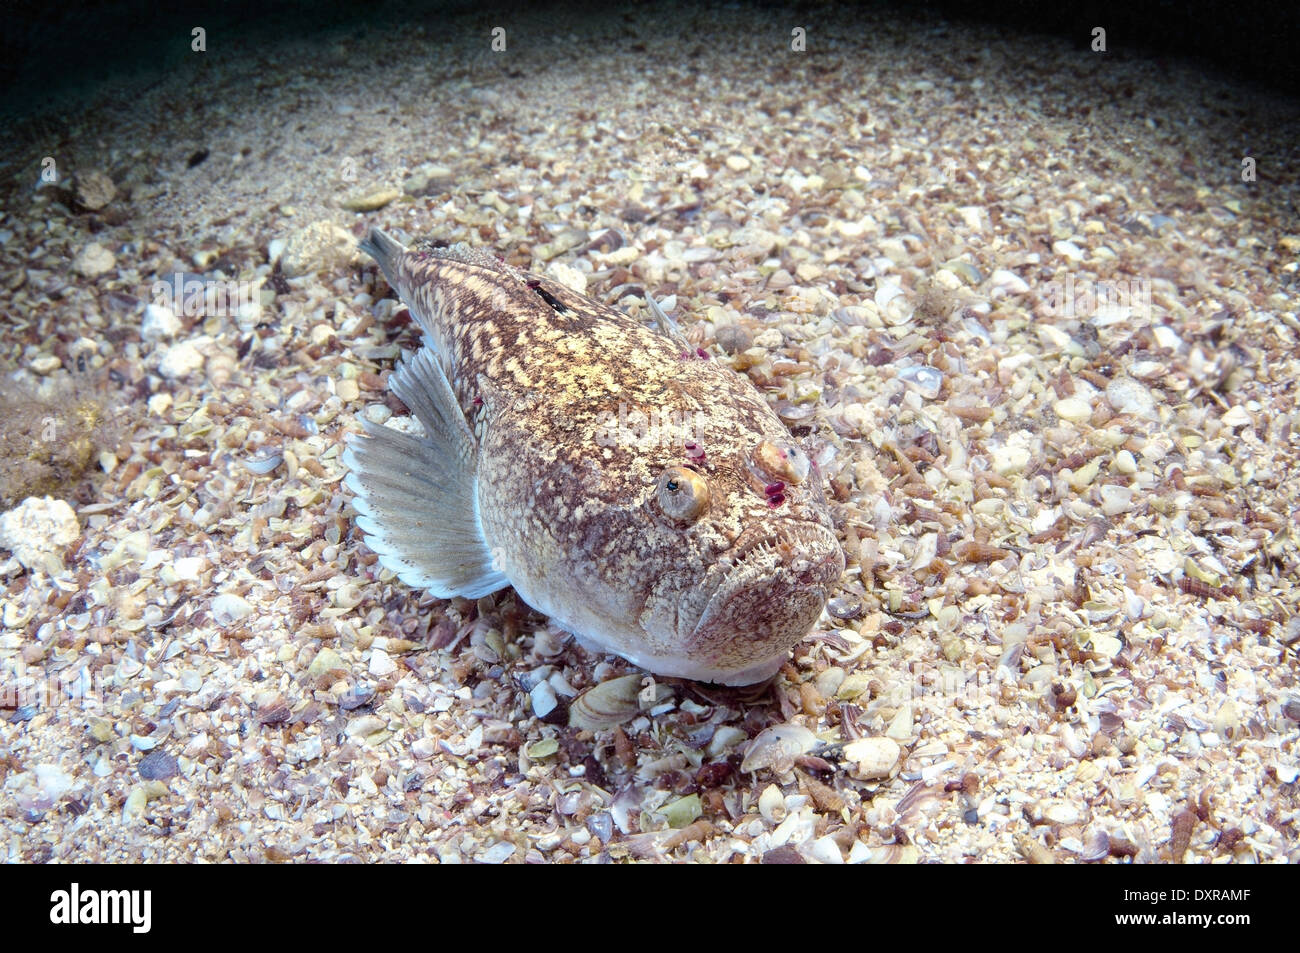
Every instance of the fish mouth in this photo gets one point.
(772, 585)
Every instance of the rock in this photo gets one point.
(93, 261)
(94, 190)
(737, 163)
(320, 246)
(180, 360)
(159, 321)
(371, 201)
(37, 527)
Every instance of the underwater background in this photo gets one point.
(1026, 291)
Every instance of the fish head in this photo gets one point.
(754, 555)
(704, 565)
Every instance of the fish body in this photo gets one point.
(643, 496)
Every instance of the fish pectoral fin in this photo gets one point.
(417, 496)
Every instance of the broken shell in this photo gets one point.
(608, 704)
(875, 757)
(771, 804)
(783, 462)
(777, 747)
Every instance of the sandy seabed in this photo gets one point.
(1014, 297)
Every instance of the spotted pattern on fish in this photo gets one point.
(574, 510)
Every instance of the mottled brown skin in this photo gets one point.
(539, 370)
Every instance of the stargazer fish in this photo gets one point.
(644, 497)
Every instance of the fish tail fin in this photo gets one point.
(385, 250)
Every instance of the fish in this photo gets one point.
(642, 495)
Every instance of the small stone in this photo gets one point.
(1128, 396)
(1007, 282)
(180, 360)
(1116, 499)
(1068, 250)
(37, 527)
(733, 338)
(770, 340)
(44, 364)
(381, 663)
(347, 390)
(93, 261)
(326, 661)
(1011, 460)
(1074, 409)
(737, 163)
(1124, 463)
(229, 608)
(1057, 811)
(159, 322)
(309, 749)
(371, 201)
(94, 189)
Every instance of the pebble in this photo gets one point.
(94, 190)
(309, 749)
(326, 660)
(1074, 409)
(180, 360)
(1116, 499)
(94, 260)
(36, 527)
(1128, 396)
(229, 608)
(1007, 282)
(371, 201)
(733, 338)
(1068, 250)
(381, 663)
(44, 364)
(159, 322)
(738, 163)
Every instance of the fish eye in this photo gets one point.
(779, 462)
(683, 494)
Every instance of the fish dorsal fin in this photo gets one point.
(418, 497)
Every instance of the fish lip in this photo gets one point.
(742, 564)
